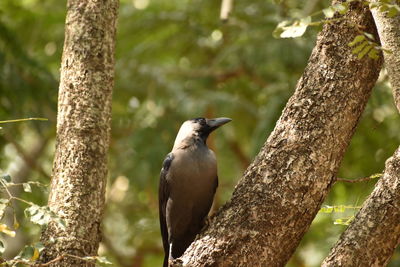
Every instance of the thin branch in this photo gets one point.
(59, 258)
(27, 119)
(362, 179)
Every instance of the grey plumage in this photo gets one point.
(188, 181)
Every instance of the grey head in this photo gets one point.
(198, 130)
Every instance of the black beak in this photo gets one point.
(217, 122)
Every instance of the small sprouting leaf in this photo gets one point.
(364, 52)
(39, 246)
(373, 53)
(6, 178)
(326, 209)
(16, 223)
(297, 29)
(370, 36)
(43, 215)
(4, 229)
(383, 8)
(344, 221)
(356, 40)
(329, 12)
(279, 29)
(35, 255)
(359, 47)
(341, 8)
(376, 175)
(2, 247)
(27, 253)
(103, 260)
(27, 187)
(99, 259)
(339, 208)
(393, 11)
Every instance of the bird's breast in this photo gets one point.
(193, 174)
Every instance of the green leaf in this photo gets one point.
(370, 36)
(297, 29)
(329, 12)
(392, 12)
(279, 29)
(27, 187)
(356, 40)
(99, 259)
(373, 53)
(43, 215)
(2, 247)
(326, 209)
(39, 246)
(359, 47)
(341, 8)
(27, 253)
(364, 52)
(376, 175)
(16, 223)
(344, 221)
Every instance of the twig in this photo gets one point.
(59, 258)
(11, 197)
(27, 119)
(363, 179)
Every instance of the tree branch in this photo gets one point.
(358, 180)
(275, 202)
(389, 35)
(374, 233)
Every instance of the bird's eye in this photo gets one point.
(200, 121)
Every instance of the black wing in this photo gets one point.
(163, 195)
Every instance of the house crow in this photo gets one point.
(188, 181)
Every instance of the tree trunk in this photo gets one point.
(275, 202)
(83, 128)
(375, 232)
(389, 34)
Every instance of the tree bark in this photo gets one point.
(375, 232)
(389, 35)
(83, 129)
(275, 202)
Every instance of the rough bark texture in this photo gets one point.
(389, 34)
(375, 232)
(275, 202)
(83, 126)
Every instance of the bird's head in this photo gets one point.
(198, 128)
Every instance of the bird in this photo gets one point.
(188, 181)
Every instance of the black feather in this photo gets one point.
(163, 195)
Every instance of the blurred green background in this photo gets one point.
(174, 60)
